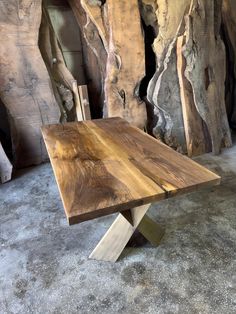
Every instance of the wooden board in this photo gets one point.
(106, 166)
(206, 70)
(94, 57)
(204, 74)
(25, 86)
(193, 124)
(125, 62)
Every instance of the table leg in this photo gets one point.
(151, 230)
(114, 241)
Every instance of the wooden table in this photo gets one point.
(107, 166)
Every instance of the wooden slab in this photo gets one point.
(106, 166)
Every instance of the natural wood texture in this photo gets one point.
(163, 89)
(5, 166)
(95, 12)
(193, 124)
(199, 22)
(84, 102)
(152, 231)
(206, 69)
(69, 37)
(106, 166)
(65, 82)
(25, 87)
(148, 10)
(125, 64)
(114, 241)
(94, 55)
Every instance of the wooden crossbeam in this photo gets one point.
(114, 241)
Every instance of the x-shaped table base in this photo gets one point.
(114, 241)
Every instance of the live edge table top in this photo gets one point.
(106, 166)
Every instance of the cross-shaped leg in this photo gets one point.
(114, 241)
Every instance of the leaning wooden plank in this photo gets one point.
(54, 59)
(193, 123)
(104, 166)
(95, 13)
(84, 101)
(126, 62)
(95, 57)
(5, 166)
(205, 68)
(25, 88)
(163, 89)
(114, 241)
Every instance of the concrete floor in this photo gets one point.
(44, 266)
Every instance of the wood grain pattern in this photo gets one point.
(106, 166)
(25, 86)
(206, 70)
(151, 230)
(125, 63)
(193, 124)
(118, 235)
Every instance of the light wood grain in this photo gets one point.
(193, 123)
(151, 230)
(125, 62)
(114, 241)
(106, 166)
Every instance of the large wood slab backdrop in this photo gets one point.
(105, 166)
(25, 86)
(117, 41)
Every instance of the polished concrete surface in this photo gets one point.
(44, 265)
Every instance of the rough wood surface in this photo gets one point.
(94, 55)
(25, 87)
(163, 89)
(206, 69)
(199, 22)
(105, 166)
(125, 66)
(196, 139)
(65, 82)
(5, 166)
(126, 62)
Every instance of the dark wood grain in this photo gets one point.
(106, 166)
